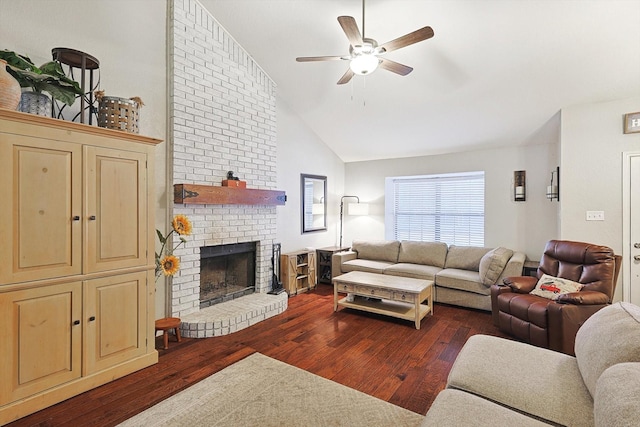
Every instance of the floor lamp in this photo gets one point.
(363, 209)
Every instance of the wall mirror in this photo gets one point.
(313, 202)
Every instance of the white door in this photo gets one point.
(631, 228)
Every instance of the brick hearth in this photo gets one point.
(232, 316)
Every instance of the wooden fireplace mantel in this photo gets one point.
(213, 195)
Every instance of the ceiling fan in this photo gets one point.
(365, 55)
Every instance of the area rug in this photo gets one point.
(261, 391)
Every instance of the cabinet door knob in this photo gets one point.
(92, 318)
(92, 217)
(76, 322)
(636, 245)
(76, 218)
(637, 257)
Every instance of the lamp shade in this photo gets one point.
(358, 209)
(317, 209)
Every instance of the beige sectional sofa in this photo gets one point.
(497, 382)
(462, 275)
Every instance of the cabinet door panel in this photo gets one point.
(288, 269)
(116, 198)
(117, 332)
(42, 343)
(41, 192)
(311, 260)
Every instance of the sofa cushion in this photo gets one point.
(462, 298)
(456, 408)
(610, 336)
(381, 250)
(616, 402)
(365, 265)
(465, 257)
(552, 287)
(464, 280)
(537, 381)
(492, 264)
(417, 271)
(426, 253)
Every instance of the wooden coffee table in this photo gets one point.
(400, 297)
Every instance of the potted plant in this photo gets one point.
(49, 77)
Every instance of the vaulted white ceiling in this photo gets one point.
(494, 73)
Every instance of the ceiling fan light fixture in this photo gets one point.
(364, 64)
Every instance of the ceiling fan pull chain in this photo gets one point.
(364, 91)
(351, 90)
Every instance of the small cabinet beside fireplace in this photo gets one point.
(298, 271)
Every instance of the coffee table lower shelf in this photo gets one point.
(400, 310)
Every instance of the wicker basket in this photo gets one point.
(118, 113)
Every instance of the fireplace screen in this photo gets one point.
(226, 272)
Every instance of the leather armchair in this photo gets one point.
(549, 323)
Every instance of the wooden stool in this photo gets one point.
(165, 325)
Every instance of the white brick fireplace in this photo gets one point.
(223, 118)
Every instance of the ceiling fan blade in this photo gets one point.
(350, 28)
(408, 39)
(318, 58)
(395, 67)
(346, 77)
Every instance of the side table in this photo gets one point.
(530, 268)
(324, 262)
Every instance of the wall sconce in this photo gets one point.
(519, 186)
(352, 209)
(553, 190)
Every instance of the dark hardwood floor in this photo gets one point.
(381, 356)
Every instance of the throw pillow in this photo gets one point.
(551, 287)
(493, 263)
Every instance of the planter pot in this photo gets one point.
(9, 88)
(35, 103)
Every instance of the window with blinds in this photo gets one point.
(445, 208)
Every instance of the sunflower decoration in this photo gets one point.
(181, 225)
(166, 263)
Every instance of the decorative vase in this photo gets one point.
(35, 103)
(9, 88)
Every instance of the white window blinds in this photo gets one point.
(436, 208)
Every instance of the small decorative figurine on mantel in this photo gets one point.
(233, 181)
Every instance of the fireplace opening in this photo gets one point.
(226, 272)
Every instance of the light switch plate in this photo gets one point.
(595, 215)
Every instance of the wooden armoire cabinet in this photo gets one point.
(77, 278)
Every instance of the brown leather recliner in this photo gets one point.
(554, 324)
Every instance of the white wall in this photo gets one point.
(592, 143)
(127, 38)
(524, 226)
(301, 151)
